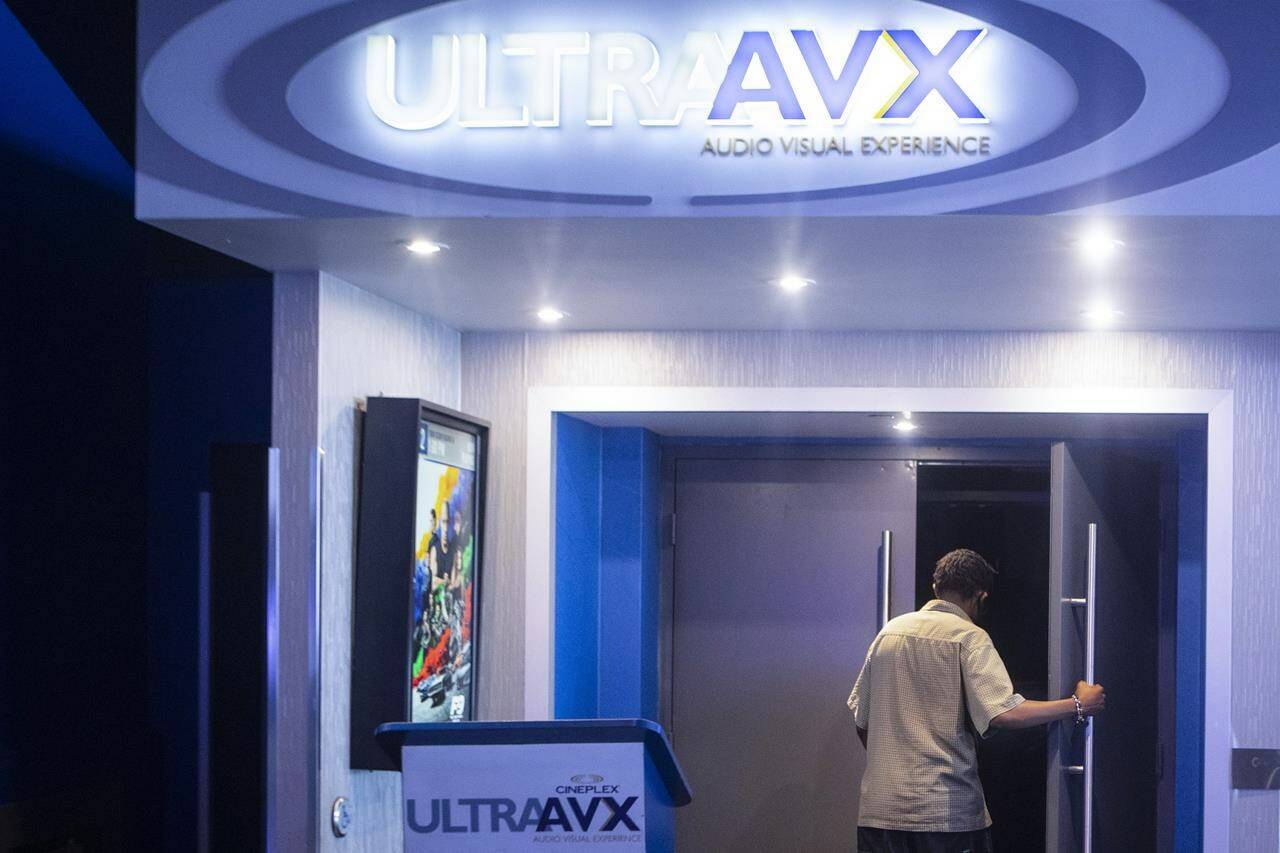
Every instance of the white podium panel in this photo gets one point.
(524, 797)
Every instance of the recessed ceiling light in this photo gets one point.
(1098, 245)
(550, 315)
(421, 246)
(794, 283)
(905, 426)
(1101, 314)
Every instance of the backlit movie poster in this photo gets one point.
(443, 605)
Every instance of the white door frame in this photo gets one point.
(547, 401)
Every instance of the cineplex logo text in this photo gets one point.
(791, 72)
(496, 814)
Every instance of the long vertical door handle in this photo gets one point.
(1090, 605)
(886, 574)
(1090, 647)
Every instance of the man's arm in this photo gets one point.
(1034, 713)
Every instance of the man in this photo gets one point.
(932, 680)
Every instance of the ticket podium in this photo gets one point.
(584, 785)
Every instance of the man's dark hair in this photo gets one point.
(963, 572)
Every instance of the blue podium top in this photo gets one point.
(393, 736)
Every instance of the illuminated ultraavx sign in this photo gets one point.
(724, 104)
(793, 77)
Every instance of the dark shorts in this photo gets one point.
(871, 840)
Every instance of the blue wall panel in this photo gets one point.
(1189, 679)
(651, 568)
(621, 579)
(607, 571)
(629, 574)
(577, 567)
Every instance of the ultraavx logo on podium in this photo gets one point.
(524, 797)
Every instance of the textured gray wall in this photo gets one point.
(294, 341)
(497, 368)
(367, 346)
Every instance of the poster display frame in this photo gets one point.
(385, 561)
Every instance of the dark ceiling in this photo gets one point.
(92, 44)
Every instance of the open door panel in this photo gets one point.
(1104, 572)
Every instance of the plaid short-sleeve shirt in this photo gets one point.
(932, 680)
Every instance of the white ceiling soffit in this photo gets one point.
(900, 273)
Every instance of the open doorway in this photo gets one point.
(830, 415)
(1002, 512)
(1006, 513)
(797, 621)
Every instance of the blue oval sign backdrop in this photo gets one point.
(606, 98)
(326, 108)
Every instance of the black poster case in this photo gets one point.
(418, 571)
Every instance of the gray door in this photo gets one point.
(1103, 588)
(776, 600)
